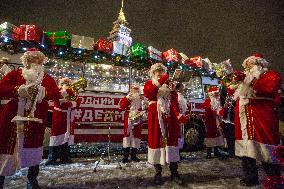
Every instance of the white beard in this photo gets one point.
(244, 89)
(215, 103)
(164, 98)
(30, 75)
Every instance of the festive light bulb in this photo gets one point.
(6, 39)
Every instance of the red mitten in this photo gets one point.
(163, 79)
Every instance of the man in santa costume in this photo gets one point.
(256, 120)
(183, 108)
(21, 142)
(163, 130)
(213, 111)
(62, 135)
(132, 104)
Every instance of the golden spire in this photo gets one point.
(121, 16)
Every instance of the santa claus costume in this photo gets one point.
(227, 123)
(163, 128)
(182, 108)
(21, 142)
(213, 110)
(62, 135)
(256, 120)
(132, 104)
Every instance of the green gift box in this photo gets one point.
(59, 38)
(139, 51)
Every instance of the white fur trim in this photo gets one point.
(163, 155)
(213, 142)
(4, 102)
(243, 117)
(256, 150)
(61, 139)
(7, 165)
(71, 140)
(131, 142)
(156, 83)
(31, 156)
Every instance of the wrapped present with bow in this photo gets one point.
(82, 42)
(207, 64)
(9, 30)
(195, 62)
(120, 48)
(31, 33)
(171, 55)
(224, 68)
(59, 38)
(103, 45)
(154, 54)
(139, 50)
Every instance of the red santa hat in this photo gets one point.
(256, 59)
(33, 53)
(213, 90)
(157, 67)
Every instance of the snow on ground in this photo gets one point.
(198, 173)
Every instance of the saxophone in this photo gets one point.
(75, 87)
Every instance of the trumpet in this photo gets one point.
(76, 86)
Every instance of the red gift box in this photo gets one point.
(195, 62)
(103, 45)
(171, 55)
(31, 33)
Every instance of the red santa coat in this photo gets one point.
(29, 150)
(62, 130)
(158, 152)
(132, 134)
(213, 136)
(256, 120)
(4, 71)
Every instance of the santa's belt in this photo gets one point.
(5, 101)
(60, 110)
(152, 102)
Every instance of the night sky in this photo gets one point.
(217, 29)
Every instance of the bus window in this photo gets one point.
(193, 88)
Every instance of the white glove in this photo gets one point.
(41, 94)
(23, 91)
